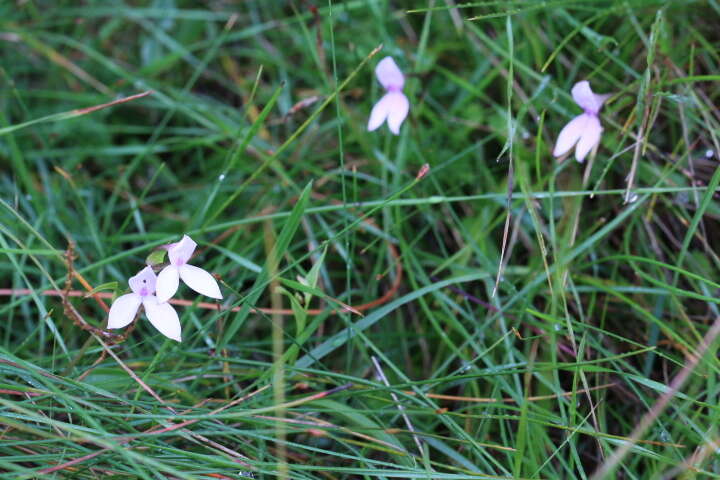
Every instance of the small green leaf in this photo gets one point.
(105, 286)
(312, 276)
(157, 257)
(299, 312)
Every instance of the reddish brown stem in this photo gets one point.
(214, 306)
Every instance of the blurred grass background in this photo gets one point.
(253, 141)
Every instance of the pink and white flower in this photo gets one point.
(161, 315)
(194, 277)
(394, 106)
(585, 129)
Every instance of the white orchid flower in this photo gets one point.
(394, 105)
(194, 277)
(585, 129)
(161, 315)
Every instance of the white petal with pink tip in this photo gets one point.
(589, 139)
(123, 310)
(167, 283)
(379, 114)
(570, 134)
(200, 281)
(163, 317)
(398, 111)
(394, 108)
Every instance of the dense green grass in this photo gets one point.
(596, 355)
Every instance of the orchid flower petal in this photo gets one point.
(398, 109)
(163, 317)
(590, 137)
(144, 282)
(570, 134)
(123, 310)
(584, 96)
(200, 281)
(167, 283)
(179, 253)
(379, 113)
(393, 107)
(389, 75)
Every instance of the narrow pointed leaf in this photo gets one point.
(281, 245)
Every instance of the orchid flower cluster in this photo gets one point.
(582, 132)
(153, 292)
